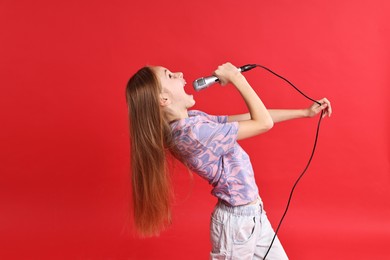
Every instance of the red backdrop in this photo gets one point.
(64, 185)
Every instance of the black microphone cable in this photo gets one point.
(311, 156)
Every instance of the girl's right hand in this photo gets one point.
(227, 73)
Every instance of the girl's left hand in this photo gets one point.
(314, 109)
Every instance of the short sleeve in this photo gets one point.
(217, 119)
(219, 138)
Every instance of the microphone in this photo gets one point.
(206, 82)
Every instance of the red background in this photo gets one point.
(64, 183)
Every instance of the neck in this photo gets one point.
(173, 115)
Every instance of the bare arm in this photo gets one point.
(259, 120)
(280, 115)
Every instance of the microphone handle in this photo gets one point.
(206, 82)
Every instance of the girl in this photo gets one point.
(161, 124)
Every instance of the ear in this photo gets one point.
(164, 100)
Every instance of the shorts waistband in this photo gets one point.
(244, 210)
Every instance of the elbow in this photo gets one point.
(271, 124)
(265, 126)
(268, 125)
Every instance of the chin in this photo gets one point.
(191, 104)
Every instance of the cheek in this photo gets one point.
(177, 91)
(164, 85)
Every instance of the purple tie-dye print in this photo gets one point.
(208, 146)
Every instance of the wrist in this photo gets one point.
(238, 79)
(306, 112)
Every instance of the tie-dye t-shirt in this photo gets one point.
(208, 146)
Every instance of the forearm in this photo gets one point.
(277, 115)
(257, 110)
(259, 120)
(280, 115)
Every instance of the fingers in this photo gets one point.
(326, 106)
(225, 72)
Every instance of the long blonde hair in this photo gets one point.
(150, 141)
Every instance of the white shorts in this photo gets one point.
(243, 232)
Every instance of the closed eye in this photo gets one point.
(168, 74)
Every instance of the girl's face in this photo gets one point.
(172, 84)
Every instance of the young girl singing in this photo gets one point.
(161, 124)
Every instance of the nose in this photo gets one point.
(179, 74)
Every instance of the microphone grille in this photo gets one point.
(199, 83)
